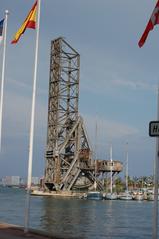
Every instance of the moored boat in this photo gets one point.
(111, 196)
(94, 195)
(125, 196)
(150, 197)
(138, 196)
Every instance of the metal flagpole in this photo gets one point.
(3, 72)
(27, 209)
(95, 183)
(126, 175)
(111, 171)
(155, 210)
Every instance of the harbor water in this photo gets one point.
(79, 218)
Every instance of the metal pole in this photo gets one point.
(111, 178)
(3, 72)
(155, 210)
(96, 128)
(126, 175)
(27, 209)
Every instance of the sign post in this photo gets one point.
(154, 128)
(154, 132)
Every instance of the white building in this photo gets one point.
(11, 181)
(35, 180)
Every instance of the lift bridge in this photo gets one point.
(69, 161)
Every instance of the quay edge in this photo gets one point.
(8, 231)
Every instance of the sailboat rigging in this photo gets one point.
(111, 195)
(126, 195)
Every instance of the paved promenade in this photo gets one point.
(8, 231)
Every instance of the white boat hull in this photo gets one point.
(111, 196)
(125, 196)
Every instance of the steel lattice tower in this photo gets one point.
(68, 153)
(63, 120)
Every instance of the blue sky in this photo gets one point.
(118, 80)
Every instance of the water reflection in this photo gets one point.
(70, 217)
(92, 219)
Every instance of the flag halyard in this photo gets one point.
(30, 22)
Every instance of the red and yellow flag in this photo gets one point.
(30, 22)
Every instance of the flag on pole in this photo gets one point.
(30, 22)
(154, 20)
(3, 34)
(1, 30)
(27, 211)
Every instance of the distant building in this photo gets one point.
(11, 181)
(35, 181)
(22, 181)
(18, 181)
(1, 181)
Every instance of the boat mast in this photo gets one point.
(111, 178)
(126, 174)
(95, 183)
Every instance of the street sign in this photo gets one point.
(154, 128)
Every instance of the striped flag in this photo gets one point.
(1, 30)
(154, 20)
(30, 22)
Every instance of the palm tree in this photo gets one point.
(119, 185)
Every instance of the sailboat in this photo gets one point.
(126, 195)
(111, 195)
(95, 195)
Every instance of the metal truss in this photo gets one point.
(68, 152)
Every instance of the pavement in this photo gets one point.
(9, 231)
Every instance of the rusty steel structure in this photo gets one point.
(69, 162)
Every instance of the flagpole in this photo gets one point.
(3, 73)
(156, 171)
(27, 209)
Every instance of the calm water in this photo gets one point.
(79, 218)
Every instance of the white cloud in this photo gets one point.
(98, 76)
(132, 84)
(17, 111)
(107, 129)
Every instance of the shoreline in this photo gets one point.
(8, 231)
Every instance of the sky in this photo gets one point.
(118, 80)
